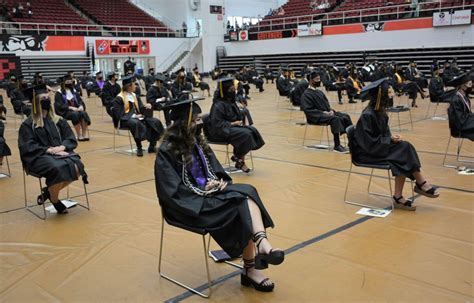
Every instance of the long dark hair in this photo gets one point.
(380, 99)
(181, 140)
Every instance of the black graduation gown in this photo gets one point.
(225, 215)
(242, 138)
(284, 86)
(61, 107)
(268, 74)
(461, 118)
(4, 149)
(177, 88)
(373, 144)
(298, 92)
(149, 128)
(33, 143)
(18, 99)
(436, 89)
(154, 93)
(314, 103)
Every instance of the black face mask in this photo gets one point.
(100, 78)
(70, 86)
(46, 104)
(468, 90)
(198, 131)
(318, 83)
(24, 85)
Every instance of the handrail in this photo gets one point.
(173, 55)
(351, 14)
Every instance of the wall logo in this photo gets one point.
(243, 35)
(9, 63)
(373, 27)
(122, 47)
(21, 43)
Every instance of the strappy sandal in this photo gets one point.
(407, 205)
(274, 257)
(245, 280)
(430, 193)
(43, 197)
(239, 163)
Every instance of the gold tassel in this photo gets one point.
(221, 90)
(379, 97)
(34, 103)
(190, 117)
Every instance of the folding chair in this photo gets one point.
(8, 168)
(458, 151)
(29, 207)
(116, 132)
(203, 234)
(397, 110)
(320, 145)
(372, 166)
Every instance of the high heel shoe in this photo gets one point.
(43, 197)
(407, 205)
(239, 164)
(60, 208)
(430, 193)
(245, 280)
(274, 257)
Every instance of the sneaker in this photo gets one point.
(341, 150)
(139, 152)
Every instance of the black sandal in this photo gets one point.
(407, 205)
(430, 193)
(274, 257)
(43, 197)
(239, 163)
(60, 208)
(246, 281)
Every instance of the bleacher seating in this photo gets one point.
(117, 12)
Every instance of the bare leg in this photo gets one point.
(77, 127)
(252, 273)
(399, 183)
(1, 160)
(84, 127)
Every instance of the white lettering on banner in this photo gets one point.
(306, 30)
(459, 17)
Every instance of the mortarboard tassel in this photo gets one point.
(379, 97)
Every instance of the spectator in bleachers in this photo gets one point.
(47, 145)
(460, 110)
(69, 105)
(281, 12)
(138, 118)
(227, 125)
(184, 27)
(318, 112)
(16, 12)
(197, 82)
(30, 13)
(269, 74)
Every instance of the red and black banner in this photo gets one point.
(9, 63)
(288, 33)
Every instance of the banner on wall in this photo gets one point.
(459, 17)
(40, 43)
(244, 35)
(122, 47)
(274, 35)
(307, 30)
(9, 63)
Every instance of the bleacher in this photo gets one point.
(46, 11)
(118, 12)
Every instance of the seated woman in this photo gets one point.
(4, 149)
(402, 85)
(318, 112)
(353, 86)
(69, 105)
(193, 189)
(180, 85)
(461, 118)
(226, 124)
(158, 95)
(197, 82)
(136, 117)
(47, 144)
(374, 143)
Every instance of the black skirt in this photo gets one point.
(77, 117)
(244, 139)
(57, 170)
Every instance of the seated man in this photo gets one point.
(226, 124)
(254, 78)
(47, 145)
(330, 82)
(284, 86)
(197, 82)
(110, 90)
(401, 85)
(136, 117)
(157, 95)
(268, 74)
(318, 112)
(69, 105)
(300, 88)
(461, 118)
(180, 84)
(353, 86)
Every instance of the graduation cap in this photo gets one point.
(374, 89)
(66, 77)
(181, 70)
(314, 73)
(224, 84)
(127, 80)
(98, 73)
(32, 92)
(284, 68)
(160, 77)
(110, 75)
(184, 110)
(459, 80)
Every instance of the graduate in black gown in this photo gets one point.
(69, 105)
(4, 149)
(318, 112)
(158, 95)
(20, 103)
(374, 143)
(136, 117)
(330, 82)
(255, 78)
(194, 190)
(353, 85)
(461, 118)
(283, 84)
(300, 88)
(268, 73)
(47, 144)
(226, 124)
(438, 91)
(197, 82)
(181, 85)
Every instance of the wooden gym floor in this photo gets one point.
(110, 253)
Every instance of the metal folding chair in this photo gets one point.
(397, 110)
(116, 132)
(8, 168)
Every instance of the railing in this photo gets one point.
(372, 14)
(28, 28)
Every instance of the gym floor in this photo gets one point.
(110, 253)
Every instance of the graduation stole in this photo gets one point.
(197, 79)
(126, 103)
(356, 84)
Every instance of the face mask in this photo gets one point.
(468, 90)
(24, 85)
(100, 78)
(318, 83)
(46, 104)
(198, 131)
(70, 86)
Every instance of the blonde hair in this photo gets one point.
(37, 112)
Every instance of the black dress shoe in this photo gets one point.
(60, 208)
(152, 150)
(139, 152)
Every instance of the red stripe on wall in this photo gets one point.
(65, 43)
(408, 24)
(343, 29)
